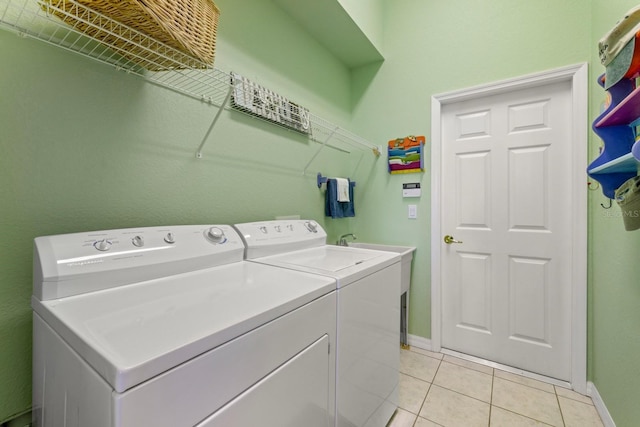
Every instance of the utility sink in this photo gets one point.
(406, 256)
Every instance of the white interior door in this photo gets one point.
(506, 196)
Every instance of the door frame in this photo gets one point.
(578, 76)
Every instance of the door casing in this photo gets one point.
(578, 76)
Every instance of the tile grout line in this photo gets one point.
(527, 416)
(493, 378)
(444, 387)
(428, 390)
(529, 386)
(577, 400)
(559, 406)
(491, 403)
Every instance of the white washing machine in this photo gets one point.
(169, 327)
(368, 286)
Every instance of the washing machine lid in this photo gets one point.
(132, 333)
(346, 264)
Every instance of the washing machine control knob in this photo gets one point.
(216, 235)
(138, 241)
(169, 238)
(102, 245)
(311, 226)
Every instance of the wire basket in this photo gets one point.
(189, 26)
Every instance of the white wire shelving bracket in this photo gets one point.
(184, 74)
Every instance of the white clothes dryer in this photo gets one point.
(169, 327)
(368, 287)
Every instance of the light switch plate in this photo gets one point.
(413, 211)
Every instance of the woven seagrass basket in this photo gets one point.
(189, 26)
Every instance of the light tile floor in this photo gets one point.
(441, 390)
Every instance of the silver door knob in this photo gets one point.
(449, 240)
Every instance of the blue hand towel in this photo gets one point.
(334, 208)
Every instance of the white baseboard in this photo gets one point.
(420, 342)
(592, 391)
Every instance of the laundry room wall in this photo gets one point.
(435, 47)
(614, 270)
(369, 17)
(87, 147)
(84, 146)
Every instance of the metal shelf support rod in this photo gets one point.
(213, 123)
(324, 143)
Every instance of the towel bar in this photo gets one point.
(323, 180)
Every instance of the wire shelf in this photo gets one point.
(57, 23)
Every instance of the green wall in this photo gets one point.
(436, 46)
(84, 147)
(369, 16)
(87, 147)
(614, 269)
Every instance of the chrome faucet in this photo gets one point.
(343, 239)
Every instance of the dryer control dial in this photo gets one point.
(102, 245)
(311, 226)
(138, 241)
(216, 235)
(169, 238)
